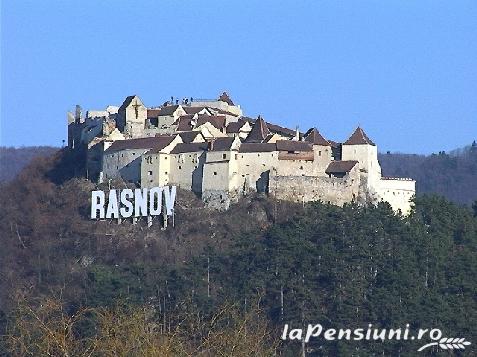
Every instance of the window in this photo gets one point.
(224, 156)
(319, 153)
(180, 167)
(236, 156)
(215, 173)
(149, 173)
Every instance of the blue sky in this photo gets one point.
(406, 71)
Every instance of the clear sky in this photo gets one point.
(405, 70)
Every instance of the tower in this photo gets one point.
(359, 147)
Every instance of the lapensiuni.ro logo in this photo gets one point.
(374, 334)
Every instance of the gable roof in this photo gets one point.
(216, 120)
(359, 137)
(189, 136)
(259, 131)
(340, 166)
(221, 144)
(189, 147)
(235, 126)
(224, 97)
(168, 110)
(193, 110)
(126, 102)
(155, 142)
(314, 137)
(184, 122)
(290, 145)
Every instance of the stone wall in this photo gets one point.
(125, 164)
(309, 188)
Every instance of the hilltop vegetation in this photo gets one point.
(200, 285)
(13, 160)
(452, 175)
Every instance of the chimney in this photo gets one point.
(211, 144)
(77, 114)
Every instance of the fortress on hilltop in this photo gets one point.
(209, 147)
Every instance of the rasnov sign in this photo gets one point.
(132, 203)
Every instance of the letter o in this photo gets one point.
(433, 332)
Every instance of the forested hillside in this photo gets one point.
(225, 283)
(13, 160)
(452, 175)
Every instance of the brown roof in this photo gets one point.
(257, 147)
(221, 144)
(193, 110)
(216, 120)
(274, 128)
(314, 137)
(290, 145)
(155, 142)
(184, 122)
(126, 102)
(280, 129)
(224, 97)
(234, 127)
(340, 166)
(189, 136)
(153, 113)
(259, 131)
(189, 147)
(168, 110)
(359, 137)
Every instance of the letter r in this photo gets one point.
(97, 203)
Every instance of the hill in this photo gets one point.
(291, 263)
(13, 160)
(452, 175)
